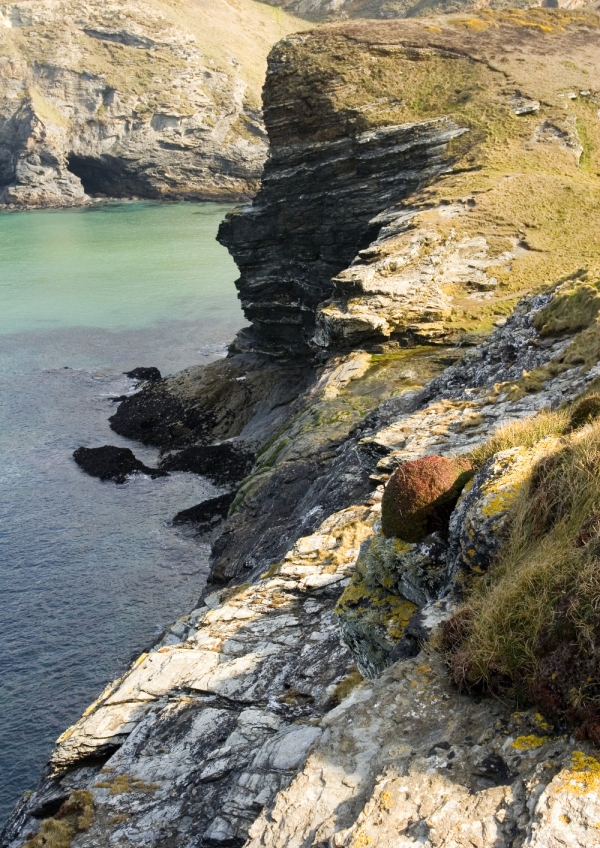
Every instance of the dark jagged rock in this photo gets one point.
(112, 463)
(224, 463)
(207, 514)
(213, 402)
(147, 375)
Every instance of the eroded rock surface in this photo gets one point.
(388, 208)
(132, 100)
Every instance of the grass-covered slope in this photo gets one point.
(520, 200)
(531, 627)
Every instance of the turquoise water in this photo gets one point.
(90, 572)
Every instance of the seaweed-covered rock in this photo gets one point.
(228, 462)
(206, 515)
(146, 375)
(420, 496)
(112, 463)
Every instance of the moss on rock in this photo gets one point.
(420, 496)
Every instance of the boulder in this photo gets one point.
(420, 496)
(112, 463)
(146, 375)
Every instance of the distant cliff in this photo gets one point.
(419, 391)
(319, 10)
(151, 100)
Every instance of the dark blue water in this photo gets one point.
(91, 572)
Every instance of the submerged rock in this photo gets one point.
(206, 515)
(146, 375)
(112, 463)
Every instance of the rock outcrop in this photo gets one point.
(249, 724)
(300, 705)
(408, 193)
(132, 100)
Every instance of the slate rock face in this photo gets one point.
(298, 233)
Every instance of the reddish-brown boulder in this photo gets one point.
(420, 496)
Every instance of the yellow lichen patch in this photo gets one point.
(511, 470)
(385, 801)
(529, 743)
(584, 774)
(361, 840)
(375, 607)
(541, 721)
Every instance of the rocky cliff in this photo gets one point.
(319, 10)
(336, 693)
(160, 100)
(435, 162)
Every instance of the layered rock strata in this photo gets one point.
(129, 100)
(413, 184)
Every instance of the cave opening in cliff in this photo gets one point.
(107, 176)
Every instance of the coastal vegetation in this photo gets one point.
(530, 627)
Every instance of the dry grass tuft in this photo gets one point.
(75, 816)
(527, 433)
(531, 629)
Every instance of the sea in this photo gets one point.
(91, 572)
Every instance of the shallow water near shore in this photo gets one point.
(91, 572)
